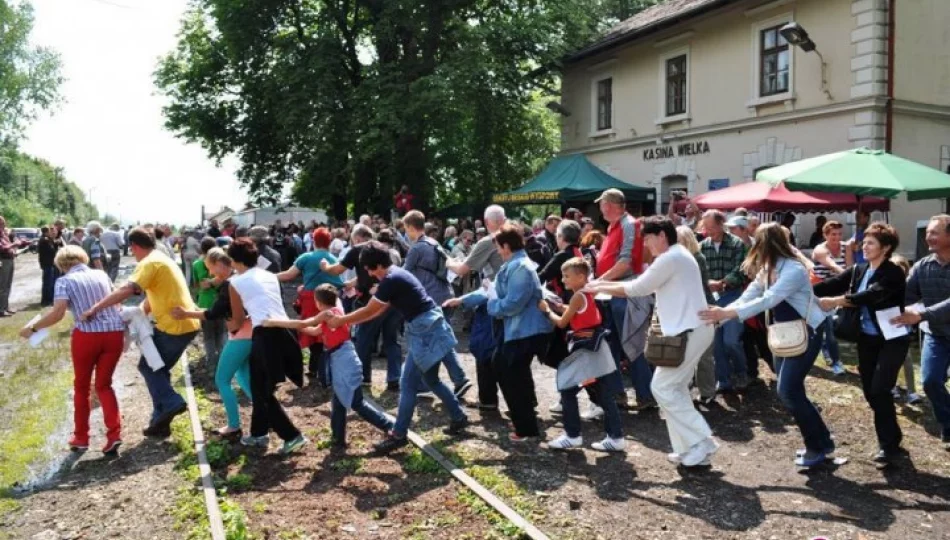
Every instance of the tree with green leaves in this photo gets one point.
(29, 75)
(347, 100)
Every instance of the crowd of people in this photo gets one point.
(723, 294)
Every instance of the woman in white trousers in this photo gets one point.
(675, 279)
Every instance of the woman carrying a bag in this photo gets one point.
(780, 284)
(874, 285)
(674, 277)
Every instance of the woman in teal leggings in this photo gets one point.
(233, 362)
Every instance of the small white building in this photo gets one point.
(701, 94)
(221, 215)
(286, 214)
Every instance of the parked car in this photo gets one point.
(26, 233)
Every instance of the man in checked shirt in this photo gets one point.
(929, 284)
(724, 254)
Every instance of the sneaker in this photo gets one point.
(810, 459)
(914, 398)
(461, 389)
(425, 395)
(644, 405)
(700, 452)
(112, 447)
(293, 445)
(157, 431)
(563, 442)
(593, 413)
(515, 438)
(838, 369)
(229, 434)
(673, 457)
(706, 400)
(456, 426)
(886, 457)
(75, 445)
(828, 452)
(259, 442)
(557, 408)
(389, 444)
(610, 445)
(166, 418)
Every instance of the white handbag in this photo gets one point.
(787, 339)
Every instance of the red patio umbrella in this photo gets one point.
(761, 197)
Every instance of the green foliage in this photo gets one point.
(29, 75)
(34, 193)
(218, 453)
(347, 101)
(239, 482)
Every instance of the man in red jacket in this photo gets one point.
(403, 200)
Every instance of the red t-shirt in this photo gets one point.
(334, 337)
(618, 245)
(588, 318)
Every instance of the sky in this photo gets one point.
(109, 133)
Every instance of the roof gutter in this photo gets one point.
(889, 111)
(658, 26)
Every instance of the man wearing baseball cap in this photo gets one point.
(615, 263)
(739, 227)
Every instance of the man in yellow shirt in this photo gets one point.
(165, 289)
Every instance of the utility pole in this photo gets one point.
(201, 222)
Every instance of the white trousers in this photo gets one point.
(671, 390)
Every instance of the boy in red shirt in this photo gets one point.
(344, 366)
(584, 319)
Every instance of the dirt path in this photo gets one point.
(98, 497)
(93, 496)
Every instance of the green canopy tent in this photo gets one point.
(568, 179)
(861, 171)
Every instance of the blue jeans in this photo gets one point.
(365, 410)
(640, 373)
(829, 343)
(159, 383)
(451, 361)
(49, 280)
(366, 336)
(571, 415)
(414, 381)
(791, 373)
(935, 358)
(727, 346)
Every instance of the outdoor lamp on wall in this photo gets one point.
(798, 37)
(556, 107)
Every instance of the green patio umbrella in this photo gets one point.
(861, 171)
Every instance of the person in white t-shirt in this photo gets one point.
(675, 279)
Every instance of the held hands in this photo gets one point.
(26, 332)
(715, 314)
(452, 302)
(311, 330)
(830, 303)
(715, 286)
(543, 306)
(178, 313)
(324, 264)
(205, 283)
(334, 321)
(908, 318)
(267, 323)
(88, 315)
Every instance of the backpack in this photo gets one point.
(441, 271)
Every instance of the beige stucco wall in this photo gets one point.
(721, 69)
(922, 51)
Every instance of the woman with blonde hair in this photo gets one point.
(781, 285)
(95, 345)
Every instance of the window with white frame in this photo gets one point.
(676, 87)
(604, 104)
(774, 62)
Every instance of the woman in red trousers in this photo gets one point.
(96, 344)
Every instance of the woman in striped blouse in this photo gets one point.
(831, 258)
(96, 345)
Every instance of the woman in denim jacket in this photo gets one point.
(527, 330)
(789, 296)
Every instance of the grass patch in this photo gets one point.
(350, 465)
(239, 482)
(191, 517)
(502, 486)
(30, 412)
